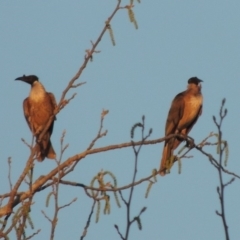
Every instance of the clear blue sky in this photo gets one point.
(140, 75)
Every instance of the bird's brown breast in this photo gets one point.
(191, 110)
(40, 112)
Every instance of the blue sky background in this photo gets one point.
(140, 75)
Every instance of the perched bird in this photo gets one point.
(38, 107)
(184, 112)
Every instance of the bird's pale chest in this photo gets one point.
(192, 107)
(40, 107)
(193, 103)
(37, 95)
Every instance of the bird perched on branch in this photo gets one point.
(184, 112)
(38, 107)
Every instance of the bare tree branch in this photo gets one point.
(38, 185)
(70, 85)
(221, 188)
(88, 222)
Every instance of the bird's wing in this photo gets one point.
(26, 111)
(54, 105)
(175, 114)
(189, 127)
(53, 100)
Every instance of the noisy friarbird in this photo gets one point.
(38, 107)
(184, 112)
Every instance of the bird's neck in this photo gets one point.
(194, 89)
(37, 92)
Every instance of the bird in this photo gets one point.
(38, 107)
(184, 112)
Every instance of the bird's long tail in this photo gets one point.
(45, 149)
(167, 152)
(168, 149)
(50, 153)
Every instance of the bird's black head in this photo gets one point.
(194, 80)
(28, 79)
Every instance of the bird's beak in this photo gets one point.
(24, 79)
(21, 78)
(199, 84)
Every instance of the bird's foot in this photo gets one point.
(190, 143)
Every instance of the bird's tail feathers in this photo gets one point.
(50, 153)
(39, 155)
(45, 149)
(167, 152)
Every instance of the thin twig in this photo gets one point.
(9, 173)
(117, 228)
(38, 185)
(136, 153)
(99, 134)
(79, 72)
(221, 188)
(88, 222)
(31, 236)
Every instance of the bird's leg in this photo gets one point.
(184, 137)
(189, 143)
(38, 131)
